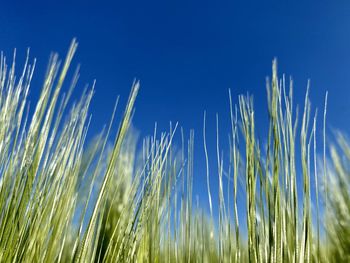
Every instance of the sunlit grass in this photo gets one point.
(64, 198)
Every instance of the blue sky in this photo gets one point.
(187, 54)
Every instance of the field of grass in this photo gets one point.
(67, 199)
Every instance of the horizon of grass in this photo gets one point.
(66, 199)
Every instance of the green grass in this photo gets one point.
(66, 199)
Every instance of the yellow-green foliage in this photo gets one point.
(63, 199)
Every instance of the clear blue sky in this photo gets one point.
(188, 53)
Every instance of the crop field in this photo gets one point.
(65, 197)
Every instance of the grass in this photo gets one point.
(66, 199)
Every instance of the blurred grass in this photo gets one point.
(65, 199)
